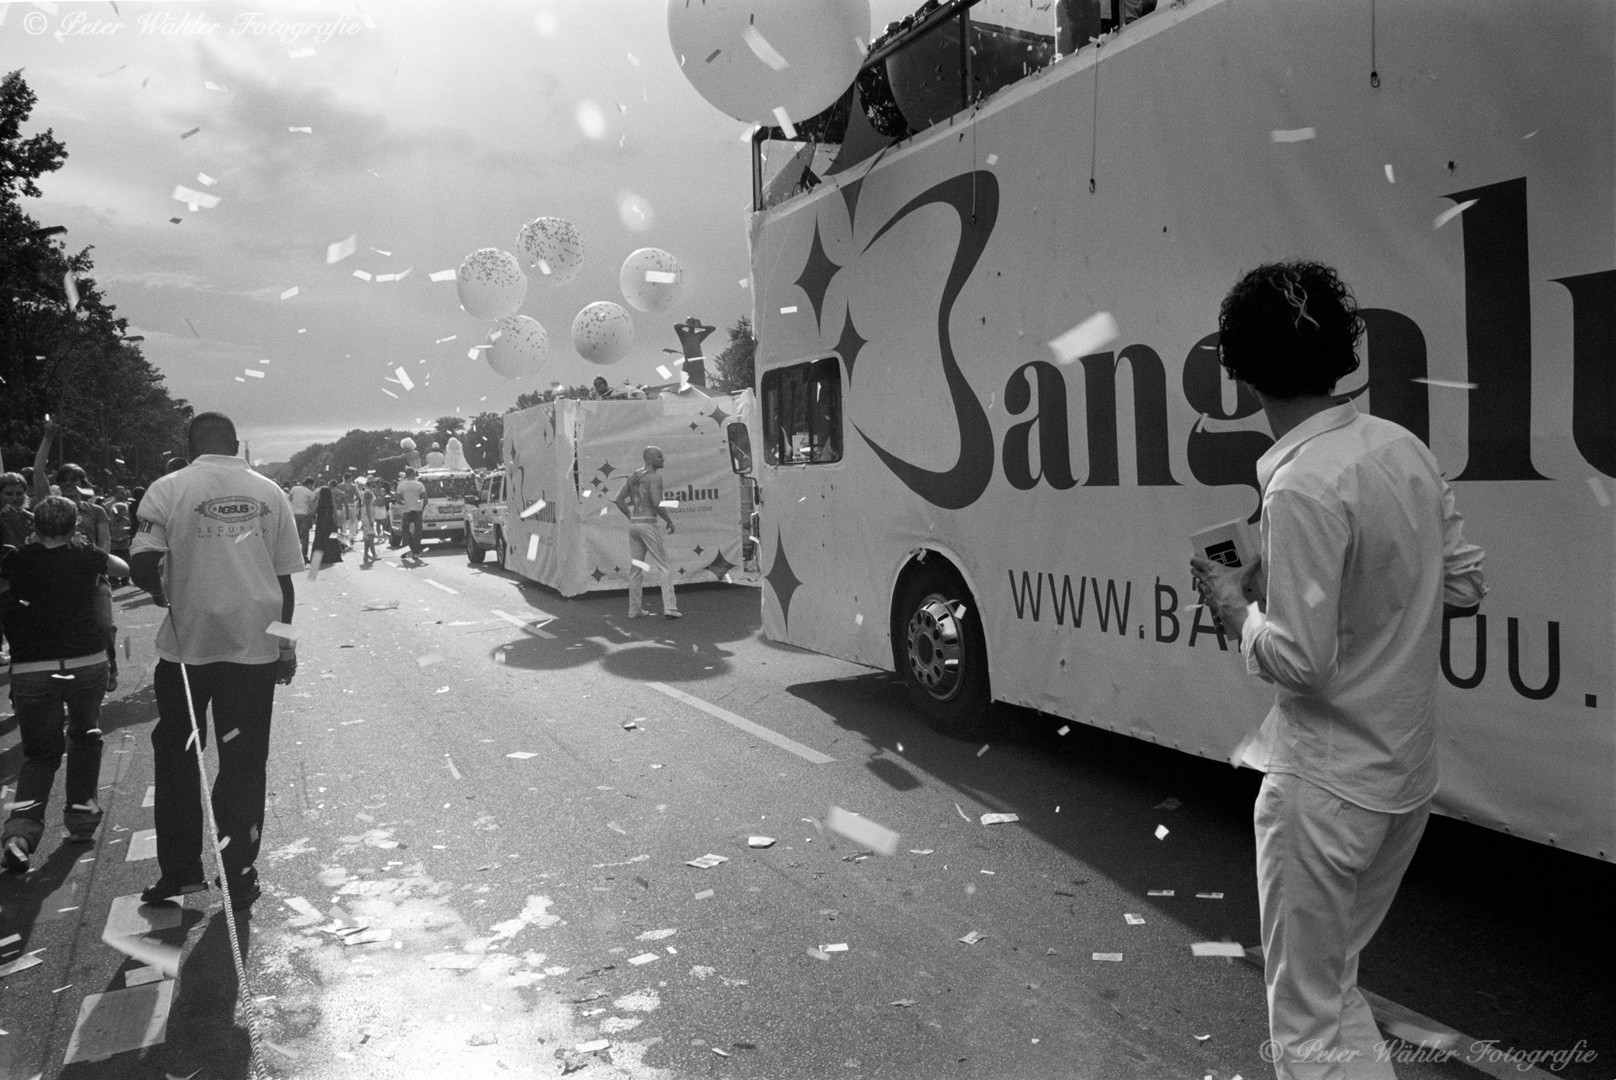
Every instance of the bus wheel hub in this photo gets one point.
(935, 648)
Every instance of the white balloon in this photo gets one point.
(552, 245)
(603, 332)
(491, 283)
(751, 59)
(406, 443)
(518, 346)
(651, 280)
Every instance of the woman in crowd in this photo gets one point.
(58, 661)
(326, 523)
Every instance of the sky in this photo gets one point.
(436, 127)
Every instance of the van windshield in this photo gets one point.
(449, 487)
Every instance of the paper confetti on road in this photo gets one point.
(760, 841)
(1160, 892)
(643, 958)
(1169, 804)
(428, 659)
(1293, 135)
(1217, 948)
(591, 1047)
(862, 831)
(1161, 832)
(998, 819)
(708, 861)
(1452, 212)
(22, 963)
(289, 293)
(1089, 336)
(834, 948)
(1112, 957)
(1134, 920)
(380, 605)
(973, 937)
(1209, 896)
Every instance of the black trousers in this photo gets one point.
(243, 697)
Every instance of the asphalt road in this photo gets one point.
(501, 817)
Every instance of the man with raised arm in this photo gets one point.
(641, 502)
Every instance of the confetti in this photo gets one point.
(1391, 177)
(1088, 336)
(1448, 383)
(390, 394)
(763, 50)
(231, 734)
(1217, 948)
(787, 128)
(1209, 896)
(705, 894)
(336, 252)
(638, 564)
(194, 199)
(206, 85)
(1160, 892)
(1600, 494)
(998, 819)
(669, 504)
(993, 159)
(1161, 832)
(1134, 920)
(255, 373)
(404, 378)
(664, 372)
(289, 293)
(428, 659)
(708, 861)
(961, 813)
(1112, 957)
(204, 178)
(760, 841)
(1293, 135)
(661, 277)
(521, 755)
(842, 947)
(441, 275)
(862, 831)
(365, 276)
(188, 134)
(982, 751)
(302, 130)
(973, 937)
(1452, 212)
(1064, 729)
(534, 509)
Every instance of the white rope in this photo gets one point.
(244, 997)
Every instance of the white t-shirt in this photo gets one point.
(302, 500)
(410, 494)
(228, 535)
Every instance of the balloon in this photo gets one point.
(651, 280)
(603, 332)
(491, 283)
(406, 443)
(751, 59)
(553, 245)
(519, 347)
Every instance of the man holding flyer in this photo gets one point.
(1364, 554)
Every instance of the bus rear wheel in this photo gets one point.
(942, 655)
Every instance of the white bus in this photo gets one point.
(944, 499)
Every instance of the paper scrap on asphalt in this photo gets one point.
(119, 1021)
(1161, 832)
(1089, 336)
(760, 841)
(961, 813)
(305, 909)
(22, 963)
(1112, 957)
(289, 293)
(1217, 948)
(643, 958)
(158, 954)
(1209, 896)
(998, 819)
(1168, 804)
(1302, 134)
(140, 976)
(973, 937)
(1160, 892)
(842, 947)
(708, 861)
(591, 1047)
(283, 630)
(142, 845)
(902, 1003)
(1134, 920)
(817, 955)
(862, 831)
(129, 917)
(921, 850)
(521, 755)
(380, 605)
(705, 894)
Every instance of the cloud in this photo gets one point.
(157, 279)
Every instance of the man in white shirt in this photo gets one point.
(411, 495)
(1364, 557)
(303, 497)
(217, 546)
(434, 457)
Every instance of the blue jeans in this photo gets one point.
(411, 528)
(40, 697)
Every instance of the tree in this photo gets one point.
(485, 441)
(62, 354)
(736, 364)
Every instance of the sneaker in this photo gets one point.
(673, 614)
(112, 676)
(164, 891)
(15, 857)
(242, 898)
(638, 614)
(81, 822)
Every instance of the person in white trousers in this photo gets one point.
(1363, 558)
(640, 500)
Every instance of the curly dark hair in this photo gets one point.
(1289, 329)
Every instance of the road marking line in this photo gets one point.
(441, 585)
(807, 753)
(1404, 1023)
(524, 624)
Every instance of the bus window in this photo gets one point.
(802, 413)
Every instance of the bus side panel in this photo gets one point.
(1228, 134)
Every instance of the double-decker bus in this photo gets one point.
(944, 497)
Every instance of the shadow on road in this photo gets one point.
(1489, 933)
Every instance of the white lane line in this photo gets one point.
(441, 585)
(524, 624)
(1404, 1023)
(807, 753)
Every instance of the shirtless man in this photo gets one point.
(641, 502)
